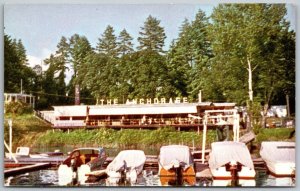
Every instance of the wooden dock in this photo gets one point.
(25, 169)
(202, 170)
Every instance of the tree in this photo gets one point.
(108, 43)
(245, 40)
(152, 35)
(15, 67)
(125, 45)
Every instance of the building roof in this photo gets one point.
(136, 109)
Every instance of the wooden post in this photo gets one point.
(198, 130)
(238, 127)
(33, 102)
(10, 136)
(204, 137)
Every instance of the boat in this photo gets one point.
(80, 162)
(176, 165)
(229, 160)
(279, 157)
(20, 152)
(128, 164)
(26, 152)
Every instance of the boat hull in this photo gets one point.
(221, 173)
(188, 172)
(281, 169)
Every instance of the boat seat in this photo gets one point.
(82, 158)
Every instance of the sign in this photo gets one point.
(142, 101)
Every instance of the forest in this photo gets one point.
(242, 53)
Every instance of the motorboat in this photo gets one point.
(229, 160)
(279, 157)
(20, 152)
(128, 164)
(176, 165)
(80, 162)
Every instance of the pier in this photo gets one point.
(27, 164)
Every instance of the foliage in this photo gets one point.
(126, 138)
(16, 69)
(152, 35)
(274, 134)
(239, 53)
(17, 108)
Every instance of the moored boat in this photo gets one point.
(80, 162)
(279, 157)
(127, 164)
(176, 163)
(230, 160)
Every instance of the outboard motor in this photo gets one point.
(234, 167)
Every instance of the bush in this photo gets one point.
(18, 108)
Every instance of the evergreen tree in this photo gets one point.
(125, 45)
(108, 43)
(152, 35)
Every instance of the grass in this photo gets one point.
(31, 131)
(26, 129)
(275, 134)
(126, 138)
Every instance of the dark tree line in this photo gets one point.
(242, 53)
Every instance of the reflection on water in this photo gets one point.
(48, 178)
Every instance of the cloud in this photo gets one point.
(33, 60)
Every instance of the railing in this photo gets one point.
(153, 121)
(69, 123)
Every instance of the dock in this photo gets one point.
(27, 164)
(25, 169)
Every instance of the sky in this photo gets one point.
(40, 27)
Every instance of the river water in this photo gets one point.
(49, 177)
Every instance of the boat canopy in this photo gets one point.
(227, 151)
(171, 153)
(278, 151)
(128, 159)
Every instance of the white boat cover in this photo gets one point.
(227, 151)
(133, 159)
(172, 154)
(278, 151)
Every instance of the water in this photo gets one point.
(49, 178)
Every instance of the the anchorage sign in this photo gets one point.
(143, 101)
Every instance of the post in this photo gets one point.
(193, 145)
(21, 86)
(287, 105)
(10, 136)
(204, 137)
(200, 96)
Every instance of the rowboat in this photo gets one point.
(229, 160)
(279, 157)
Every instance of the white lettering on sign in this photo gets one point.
(141, 101)
(149, 101)
(115, 101)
